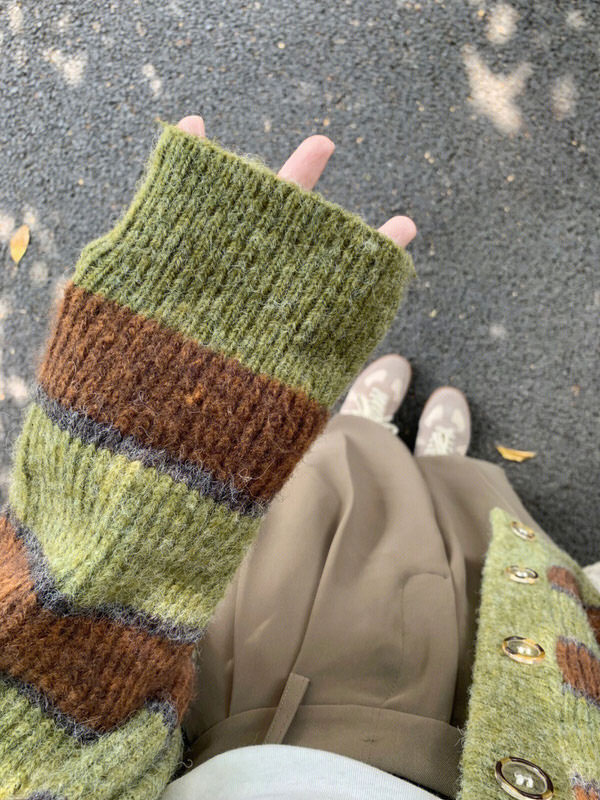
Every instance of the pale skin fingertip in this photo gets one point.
(401, 230)
(193, 125)
(305, 166)
(321, 142)
(308, 161)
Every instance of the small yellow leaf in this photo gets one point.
(19, 243)
(510, 454)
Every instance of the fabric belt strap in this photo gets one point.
(295, 689)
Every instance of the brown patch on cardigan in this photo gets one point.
(564, 580)
(96, 671)
(172, 394)
(586, 791)
(580, 668)
(593, 613)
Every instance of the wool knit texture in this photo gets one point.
(549, 712)
(193, 361)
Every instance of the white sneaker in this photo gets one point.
(445, 424)
(379, 390)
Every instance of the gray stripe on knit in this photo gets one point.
(106, 436)
(44, 796)
(82, 733)
(51, 598)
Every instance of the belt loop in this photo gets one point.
(295, 689)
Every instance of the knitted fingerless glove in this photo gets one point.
(194, 359)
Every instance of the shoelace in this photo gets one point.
(440, 442)
(372, 406)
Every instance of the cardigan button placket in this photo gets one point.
(518, 648)
(522, 574)
(522, 531)
(516, 776)
(523, 779)
(523, 650)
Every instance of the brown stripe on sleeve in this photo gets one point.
(172, 394)
(97, 672)
(580, 668)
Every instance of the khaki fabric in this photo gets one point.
(349, 626)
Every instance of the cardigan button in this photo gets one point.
(522, 531)
(525, 651)
(522, 574)
(523, 779)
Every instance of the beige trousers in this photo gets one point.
(350, 625)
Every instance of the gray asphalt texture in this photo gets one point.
(479, 120)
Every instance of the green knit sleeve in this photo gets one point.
(219, 248)
(194, 359)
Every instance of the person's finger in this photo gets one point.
(305, 166)
(308, 161)
(401, 230)
(193, 124)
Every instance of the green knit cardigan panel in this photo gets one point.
(546, 712)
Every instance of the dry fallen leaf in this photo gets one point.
(18, 243)
(510, 454)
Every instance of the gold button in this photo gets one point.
(522, 574)
(522, 531)
(522, 779)
(525, 651)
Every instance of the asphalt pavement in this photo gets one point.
(479, 119)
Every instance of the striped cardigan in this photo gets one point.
(193, 361)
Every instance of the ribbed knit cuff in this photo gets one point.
(218, 248)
